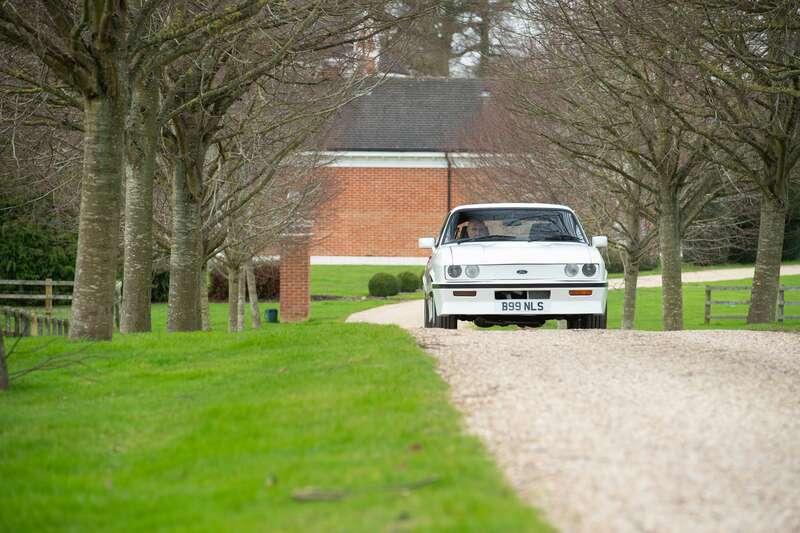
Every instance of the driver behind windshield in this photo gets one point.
(512, 224)
(476, 228)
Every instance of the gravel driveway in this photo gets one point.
(636, 431)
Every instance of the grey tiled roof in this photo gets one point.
(407, 115)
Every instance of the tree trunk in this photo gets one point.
(252, 291)
(205, 317)
(240, 300)
(669, 248)
(631, 255)
(98, 226)
(185, 261)
(3, 368)
(485, 43)
(233, 297)
(142, 143)
(631, 264)
(766, 279)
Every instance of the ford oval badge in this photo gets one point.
(522, 272)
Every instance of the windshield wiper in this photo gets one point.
(563, 237)
(488, 238)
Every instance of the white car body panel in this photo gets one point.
(537, 266)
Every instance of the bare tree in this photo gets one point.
(201, 102)
(263, 224)
(252, 294)
(594, 80)
(746, 104)
(95, 49)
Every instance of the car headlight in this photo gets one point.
(571, 270)
(472, 271)
(454, 271)
(589, 270)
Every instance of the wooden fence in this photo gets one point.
(48, 297)
(21, 323)
(782, 302)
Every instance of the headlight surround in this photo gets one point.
(454, 271)
(589, 269)
(472, 271)
(571, 270)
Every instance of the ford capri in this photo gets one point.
(520, 264)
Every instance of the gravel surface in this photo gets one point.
(636, 431)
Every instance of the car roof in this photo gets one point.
(511, 206)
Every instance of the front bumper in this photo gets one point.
(559, 301)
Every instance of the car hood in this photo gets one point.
(521, 253)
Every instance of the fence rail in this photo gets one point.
(48, 297)
(781, 303)
(20, 323)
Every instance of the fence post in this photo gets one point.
(781, 304)
(48, 297)
(707, 315)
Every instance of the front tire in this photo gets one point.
(588, 321)
(427, 322)
(434, 320)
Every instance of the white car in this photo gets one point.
(522, 264)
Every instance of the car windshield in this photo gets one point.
(513, 224)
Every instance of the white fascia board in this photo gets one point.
(399, 159)
(366, 260)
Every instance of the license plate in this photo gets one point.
(521, 306)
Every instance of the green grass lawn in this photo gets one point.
(216, 432)
(648, 303)
(352, 280)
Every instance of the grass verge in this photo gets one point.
(648, 307)
(215, 431)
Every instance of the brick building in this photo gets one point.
(400, 158)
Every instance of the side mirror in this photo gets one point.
(601, 241)
(427, 242)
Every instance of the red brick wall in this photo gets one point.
(295, 289)
(382, 211)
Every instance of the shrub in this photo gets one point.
(268, 281)
(409, 282)
(383, 284)
(159, 292)
(29, 251)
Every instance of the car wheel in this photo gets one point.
(578, 322)
(597, 321)
(602, 320)
(438, 321)
(448, 322)
(428, 322)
